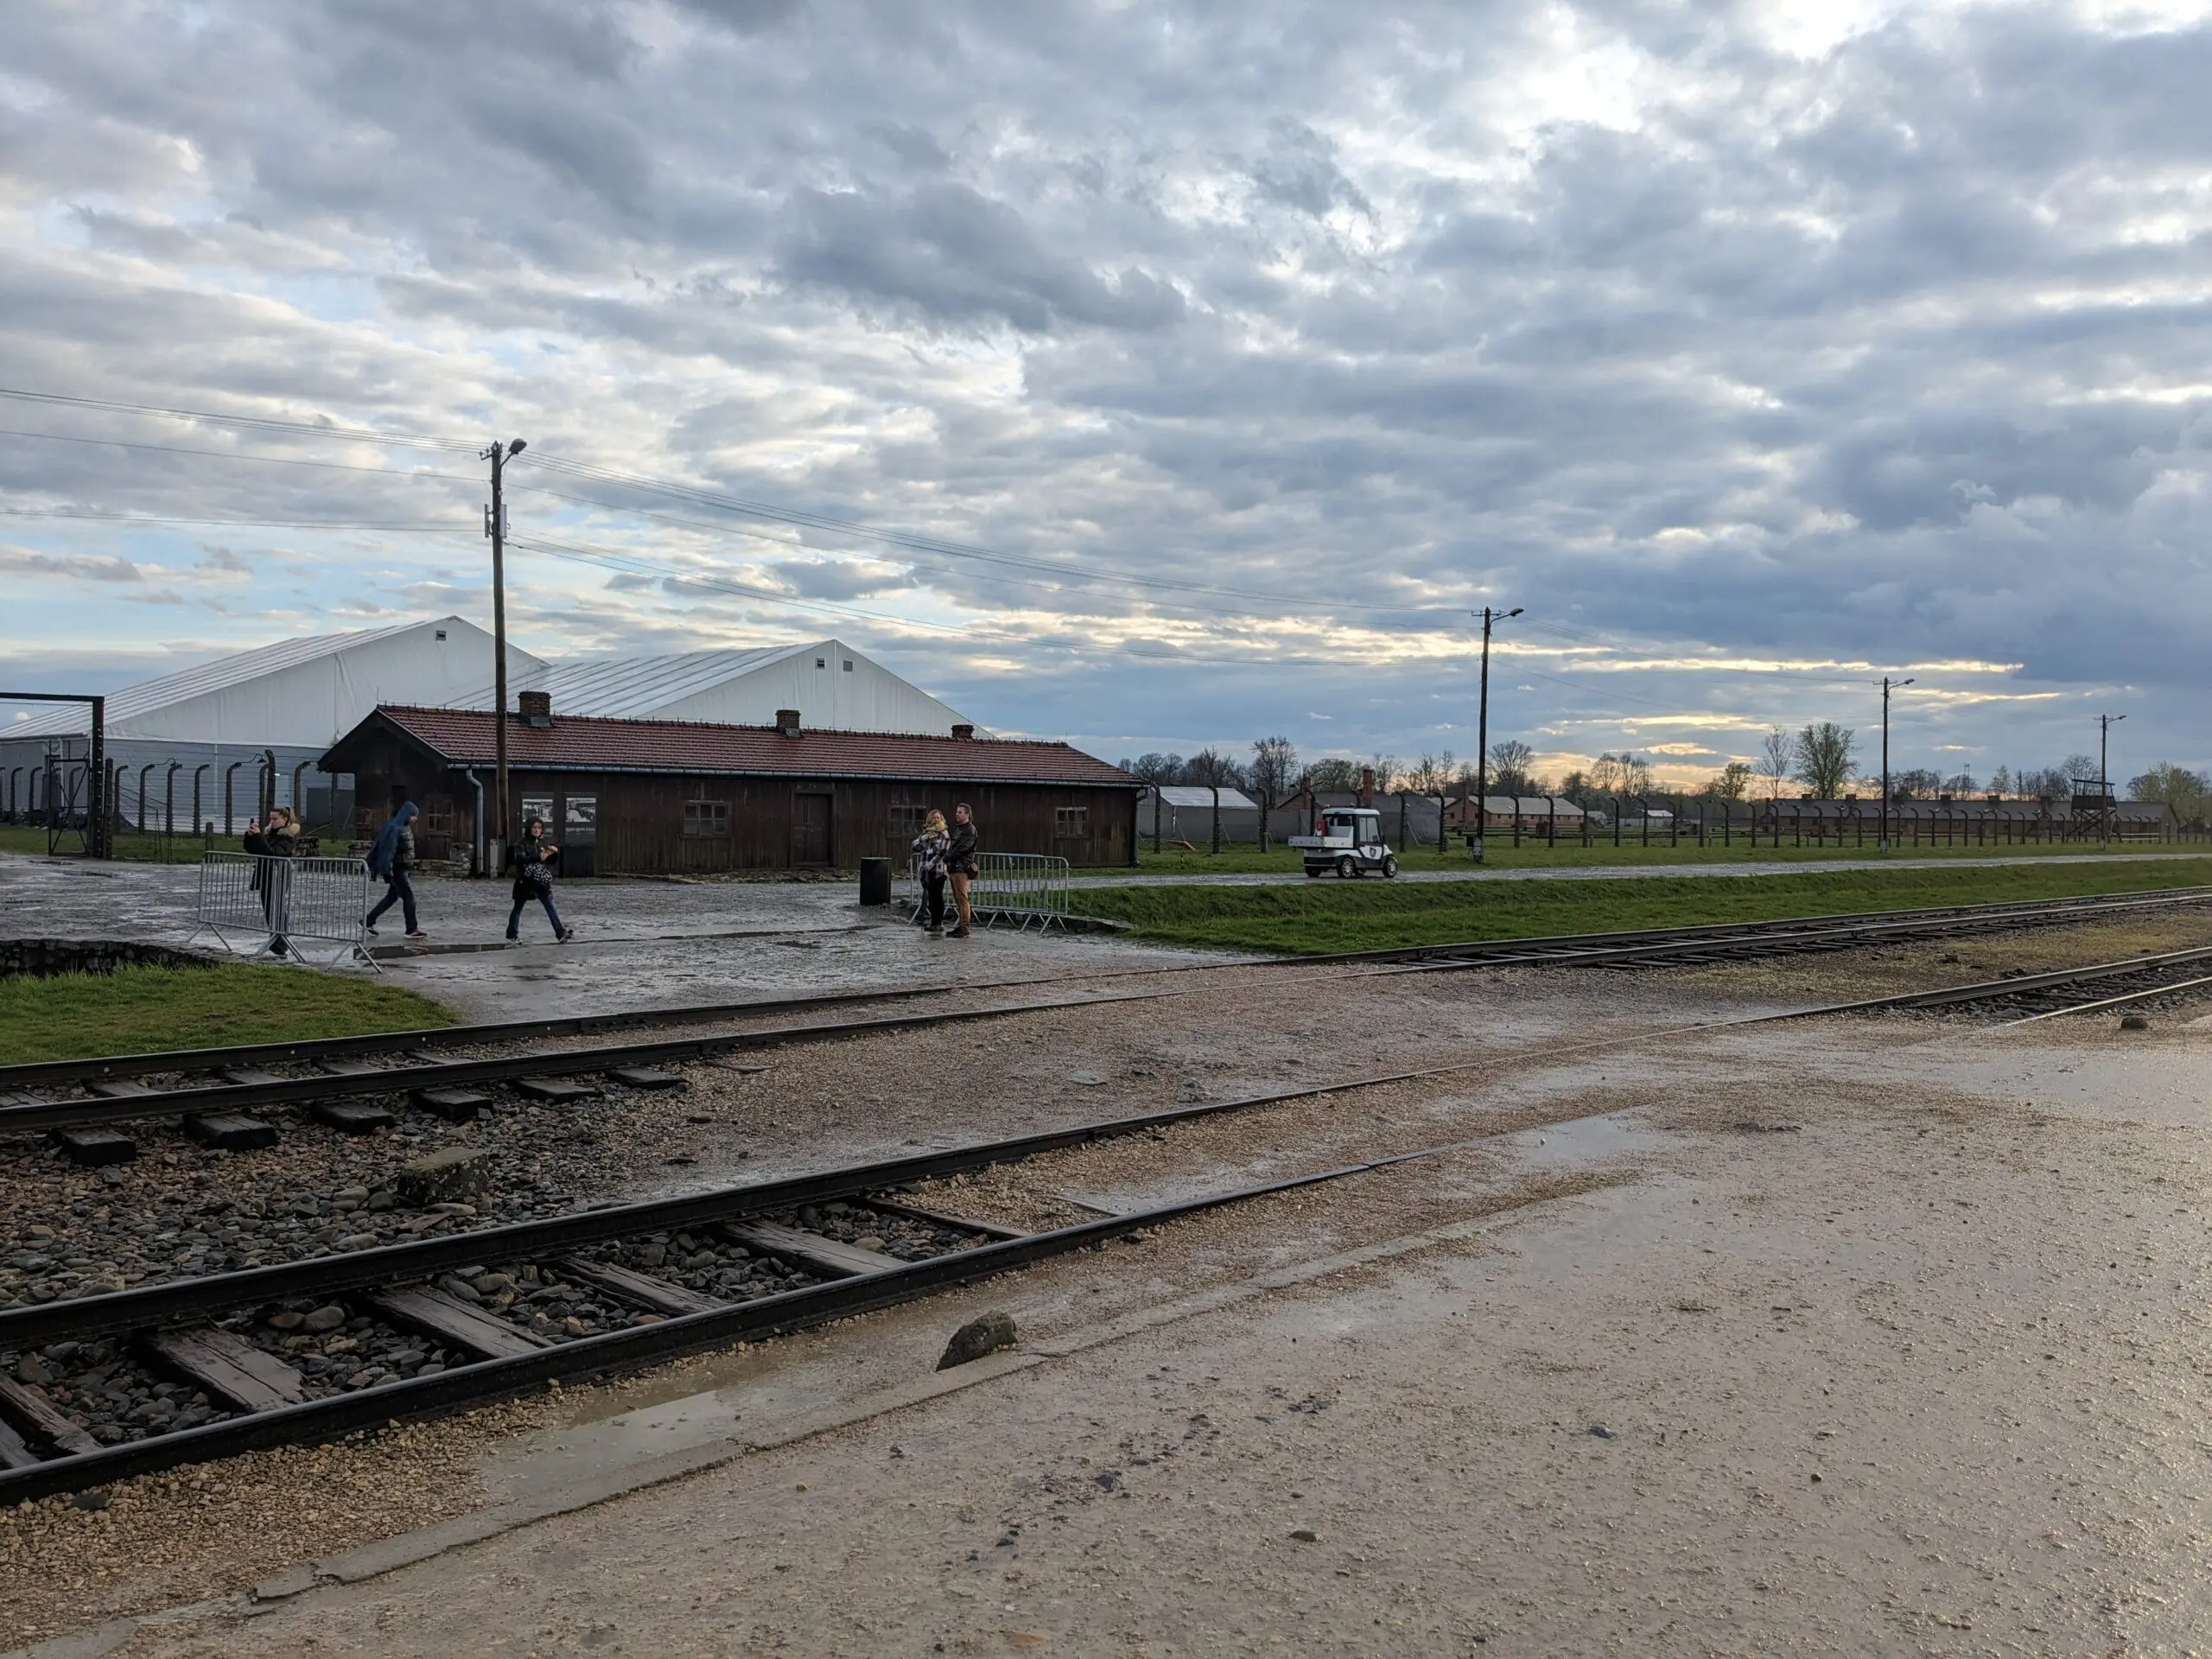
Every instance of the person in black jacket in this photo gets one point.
(276, 841)
(960, 860)
(533, 859)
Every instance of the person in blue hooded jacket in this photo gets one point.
(391, 858)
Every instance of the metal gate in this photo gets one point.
(303, 910)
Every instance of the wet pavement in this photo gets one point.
(639, 943)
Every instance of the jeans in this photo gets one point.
(397, 891)
(933, 901)
(544, 896)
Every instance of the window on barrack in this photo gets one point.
(906, 822)
(437, 815)
(706, 818)
(1070, 822)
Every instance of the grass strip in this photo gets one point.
(139, 1010)
(1322, 917)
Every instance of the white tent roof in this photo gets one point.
(833, 686)
(306, 692)
(1181, 795)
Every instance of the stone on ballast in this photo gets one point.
(327, 1317)
(453, 1176)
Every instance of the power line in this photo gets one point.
(309, 429)
(232, 454)
(249, 523)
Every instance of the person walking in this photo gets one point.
(533, 859)
(960, 860)
(931, 846)
(390, 860)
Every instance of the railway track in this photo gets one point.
(311, 1348)
(217, 1092)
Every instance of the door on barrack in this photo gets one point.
(810, 841)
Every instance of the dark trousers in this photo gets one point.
(544, 896)
(933, 901)
(397, 891)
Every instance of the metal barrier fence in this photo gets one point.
(307, 910)
(1022, 889)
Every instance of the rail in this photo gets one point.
(305, 910)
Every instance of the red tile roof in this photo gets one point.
(464, 737)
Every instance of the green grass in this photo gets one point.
(183, 848)
(1501, 854)
(143, 1010)
(1328, 915)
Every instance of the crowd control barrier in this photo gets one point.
(307, 910)
(1023, 890)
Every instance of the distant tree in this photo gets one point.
(1385, 768)
(1824, 756)
(1914, 783)
(1273, 773)
(1424, 776)
(1625, 773)
(1777, 759)
(1157, 768)
(1509, 767)
(2180, 788)
(1576, 787)
(1335, 775)
(1210, 769)
(1732, 782)
(1961, 783)
(2000, 781)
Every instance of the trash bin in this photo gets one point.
(875, 880)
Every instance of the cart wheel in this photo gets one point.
(1389, 866)
(1346, 868)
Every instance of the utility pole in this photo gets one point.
(2105, 723)
(495, 527)
(1882, 841)
(1481, 735)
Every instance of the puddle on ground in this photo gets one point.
(1586, 1142)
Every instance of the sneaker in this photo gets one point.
(514, 939)
(565, 936)
(416, 933)
(958, 933)
(369, 926)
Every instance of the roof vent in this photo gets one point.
(963, 732)
(787, 722)
(535, 708)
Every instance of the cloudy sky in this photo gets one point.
(1207, 363)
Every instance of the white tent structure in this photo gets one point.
(834, 687)
(235, 735)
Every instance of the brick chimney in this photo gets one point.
(787, 722)
(963, 732)
(535, 708)
(1367, 785)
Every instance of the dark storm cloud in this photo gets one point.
(1671, 327)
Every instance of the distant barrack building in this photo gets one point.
(223, 742)
(670, 797)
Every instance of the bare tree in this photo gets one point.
(1509, 765)
(1825, 751)
(1273, 771)
(1732, 782)
(1777, 759)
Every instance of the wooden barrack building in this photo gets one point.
(666, 798)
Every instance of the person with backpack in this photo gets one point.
(533, 857)
(960, 860)
(390, 860)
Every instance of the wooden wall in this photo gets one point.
(641, 816)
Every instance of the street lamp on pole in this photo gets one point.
(495, 527)
(2105, 723)
(1482, 733)
(1883, 840)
